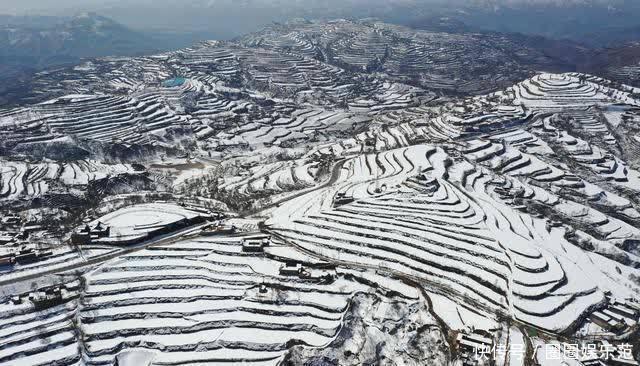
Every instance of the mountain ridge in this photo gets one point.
(85, 35)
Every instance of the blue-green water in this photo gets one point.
(171, 83)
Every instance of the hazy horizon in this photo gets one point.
(225, 19)
(64, 7)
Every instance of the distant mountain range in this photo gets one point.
(594, 23)
(579, 34)
(32, 43)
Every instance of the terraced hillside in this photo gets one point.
(452, 229)
(200, 301)
(309, 195)
(524, 207)
(617, 62)
(458, 63)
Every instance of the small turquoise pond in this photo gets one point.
(171, 83)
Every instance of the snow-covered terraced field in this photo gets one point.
(34, 178)
(278, 177)
(549, 91)
(407, 55)
(221, 313)
(31, 337)
(202, 301)
(96, 117)
(417, 215)
(284, 131)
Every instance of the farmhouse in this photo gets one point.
(291, 268)
(342, 198)
(45, 299)
(133, 224)
(26, 256)
(218, 228)
(618, 316)
(427, 182)
(619, 313)
(16, 300)
(255, 244)
(606, 322)
(88, 234)
(7, 259)
(625, 309)
(633, 304)
(473, 345)
(369, 145)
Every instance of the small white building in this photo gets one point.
(291, 268)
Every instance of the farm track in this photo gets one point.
(335, 175)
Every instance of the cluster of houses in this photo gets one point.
(14, 247)
(472, 346)
(89, 234)
(203, 211)
(257, 244)
(134, 224)
(13, 231)
(24, 255)
(9, 233)
(618, 316)
(218, 227)
(45, 297)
